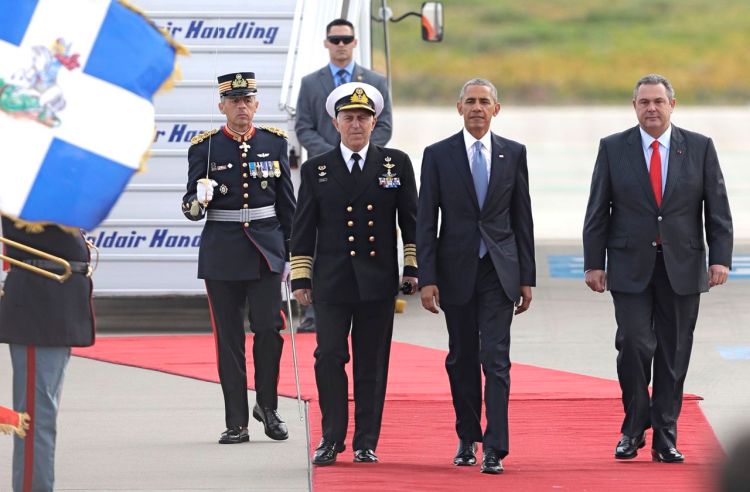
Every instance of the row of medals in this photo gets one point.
(261, 168)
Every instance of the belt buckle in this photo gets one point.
(89, 270)
(245, 214)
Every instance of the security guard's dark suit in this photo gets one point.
(344, 248)
(242, 262)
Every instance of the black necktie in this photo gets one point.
(356, 170)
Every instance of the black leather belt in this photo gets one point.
(52, 266)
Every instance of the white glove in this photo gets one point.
(285, 273)
(206, 190)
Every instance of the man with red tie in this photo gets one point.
(654, 190)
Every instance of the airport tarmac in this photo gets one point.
(123, 428)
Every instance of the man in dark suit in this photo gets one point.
(313, 126)
(653, 188)
(243, 249)
(344, 259)
(42, 318)
(477, 265)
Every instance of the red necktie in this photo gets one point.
(655, 172)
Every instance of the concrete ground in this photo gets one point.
(122, 428)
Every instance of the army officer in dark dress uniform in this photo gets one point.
(344, 258)
(239, 181)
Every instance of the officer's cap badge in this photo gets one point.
(239, 82)
(359, 97)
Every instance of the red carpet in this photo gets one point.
(563, 425)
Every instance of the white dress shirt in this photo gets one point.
(346, 153)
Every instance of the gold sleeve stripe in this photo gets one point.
(301, 267)
(301, 272)
(410, 255)
(302, 260)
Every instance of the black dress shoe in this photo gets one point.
(491, 462)
(466, 454)
(627, 447)
(671, 455)
(234, 435)
(326, 452)
(307, 326)
(274, 427)
(365, 456)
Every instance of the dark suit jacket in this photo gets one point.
(229, 250)
(35, 310)
(623, 222)
(344, 236)
(313, 124)
(449, 260)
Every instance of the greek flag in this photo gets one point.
(76, 114)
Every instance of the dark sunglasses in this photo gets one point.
(340, 39)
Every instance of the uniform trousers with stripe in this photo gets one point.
(260, 301)
(371, 326)
(38, 374)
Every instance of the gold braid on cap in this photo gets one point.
(359, 96)
(237, 83)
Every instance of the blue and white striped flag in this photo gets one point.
(76, 115)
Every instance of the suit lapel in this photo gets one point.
(498, 165)
(675, 162)
(634, 159)
(326, 81)
(373, 165)
(459, 163)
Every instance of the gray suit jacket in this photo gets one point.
(450, 258)
(623, 221)
(313, 125)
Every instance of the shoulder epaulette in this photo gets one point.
(274, 130)
(203, 135)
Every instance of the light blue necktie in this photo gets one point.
(481, 183)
